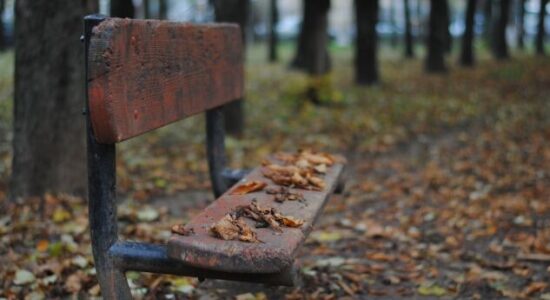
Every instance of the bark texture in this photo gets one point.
(467, 55)
(122, 9)
(49, 151)
(541, 32)
(409, 46)
(312, 54)
(437, 37)
(234, 11)
(500, 46)
(366, 63)
(273, 38)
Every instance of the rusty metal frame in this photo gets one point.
(114, 257)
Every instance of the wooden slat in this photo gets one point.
(277, 251)
(144, 74)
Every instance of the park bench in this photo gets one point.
(142, 75)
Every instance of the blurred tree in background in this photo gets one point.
(366, 62)
(437, 41)
(541, 32)
(122, 9)
(2, 37)
(311, 52)
(499, 43)
(234, 11)
(467, 53)
(409, 43)
(49, 152)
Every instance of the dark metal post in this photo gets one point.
(102, 198)
(215, 149)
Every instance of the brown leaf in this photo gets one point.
(533, 288)
(181, 230)
(291, 221)
(230, 228)
(248, 187)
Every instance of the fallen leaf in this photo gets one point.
(60, 215)
(181, 230)
(73, 283)
(432, 290)
(230, 228)
(42, 245)
(248, 187)
(147, 214)
(534, 287)
(23, 277)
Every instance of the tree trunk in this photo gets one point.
(163, 10)
(500, 46)
(393, 25)
(488, 21)
(273, 38)
(366, 64)
(122, 9)
(467, 55)
(312, 53)
(233, 11)
(146, 9)
(2, 35)
(539, 39)
(49, 152)
(437, 37)
(521, 24)
(409, 51)
(448, 37)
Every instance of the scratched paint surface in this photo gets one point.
(144, 74)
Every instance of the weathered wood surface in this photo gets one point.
(277, 251)
(144, 74)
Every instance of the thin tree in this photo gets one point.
(2, 35)
(448, 37)
(163, 9)
(366, 63)
(312, 54)
(437, 37)
(409, 50)
(520, 26)
(122, 9)
(273, 37)
(500, 45)
(233, 11)
(541, 32)
(49, 153)
(488, 21)
(467, 55)
(146, 9)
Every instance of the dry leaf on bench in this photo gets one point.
(181, 230)
(283, 194)
(268, 217)
(231, 228)
(248, 187)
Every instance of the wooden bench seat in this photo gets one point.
(274, 253)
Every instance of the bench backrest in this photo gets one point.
(144, 74)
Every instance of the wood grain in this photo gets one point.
(144, 74)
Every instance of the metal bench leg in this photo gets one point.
(215, 150)
(103, 218)
(102, 201)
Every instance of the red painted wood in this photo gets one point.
(277, 251)
(144, 74)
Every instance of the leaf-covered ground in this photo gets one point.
(448, 191)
